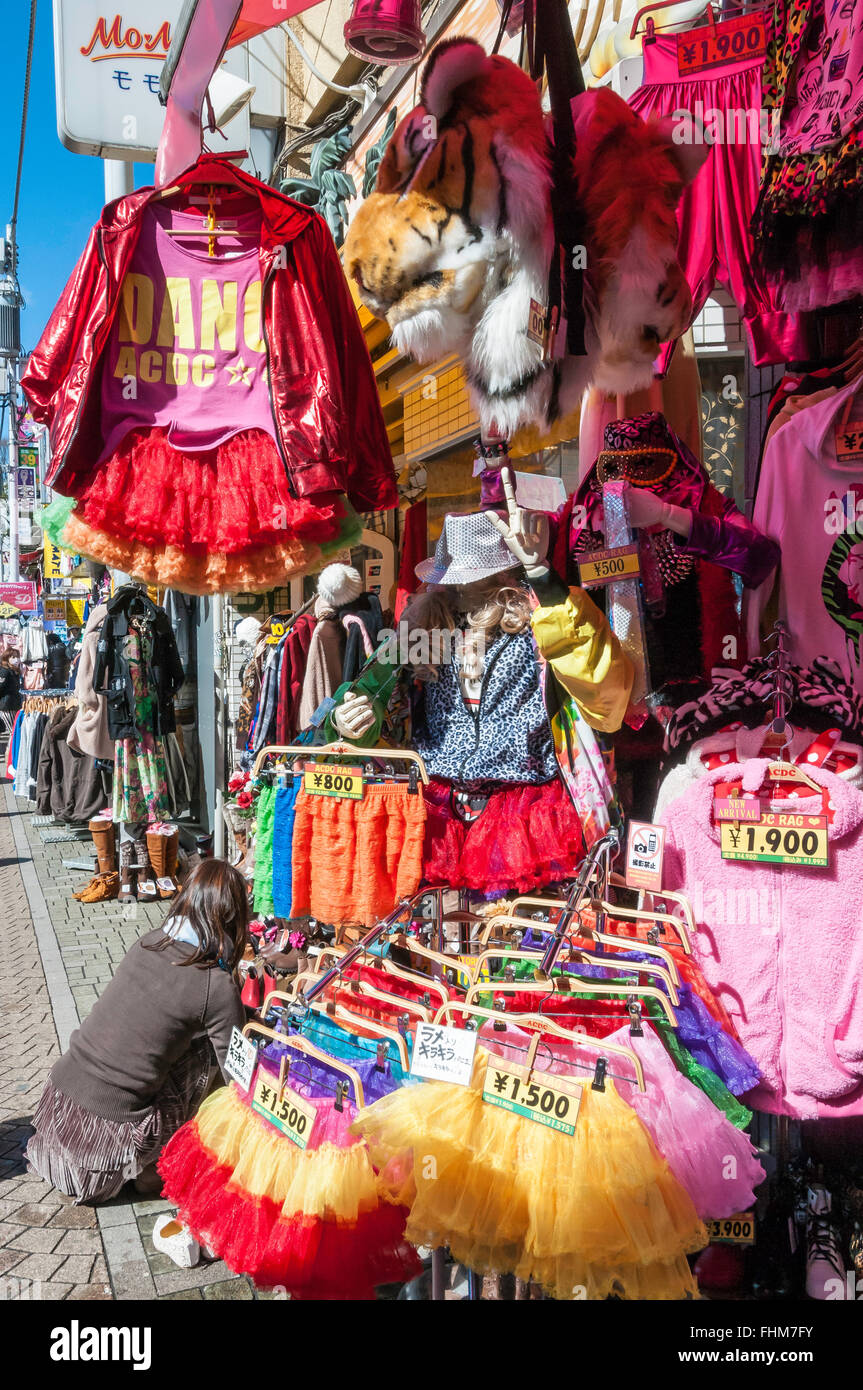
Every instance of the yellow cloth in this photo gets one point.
(587, 1216)
(575, 638)
(335, 1184)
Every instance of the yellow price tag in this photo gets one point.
(606, 566)
(324, 779)
(733, 1230)
(552, 1103)
(798, 841)
(290, 1113)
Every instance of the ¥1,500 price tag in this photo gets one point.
(554, 1103)
(778, 839)
(733, 1230)
(605, 566)
(737, 40)
(291, 1114)
(241, 1059)
(443, 1054)
(322, 779)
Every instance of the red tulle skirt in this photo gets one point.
(227, 499)
(526, 836)
(309, 1222)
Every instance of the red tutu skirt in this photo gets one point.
(526, 836)
(310, 1221)
(222, 519)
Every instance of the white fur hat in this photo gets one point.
(247, 630)
(339, 584)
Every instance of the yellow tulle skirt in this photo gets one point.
(592, 1215)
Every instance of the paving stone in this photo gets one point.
(34, 1239)
(9, 1259)
(54, 1291)
(90, 1293)
(77, 1269)
(80, 1243)
(33, 1214)
(181, 1294)
(75, 1218)
(40, 1266)
(234, 1289)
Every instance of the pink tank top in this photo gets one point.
(186, 347)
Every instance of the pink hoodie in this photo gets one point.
(781, 946)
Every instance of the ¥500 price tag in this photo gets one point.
(605, 566)
(778, 839)
(241, 1059)
(553, 1103)
(293, 1115)
(322, 779)
(733, 1230)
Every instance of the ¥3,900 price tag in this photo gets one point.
(605, 566)
(553, 1103)
(322, 779)
(733, 1230)
(778, 839)
(241, 1059)
(293, 1115)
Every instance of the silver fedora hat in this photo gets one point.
(469, 548)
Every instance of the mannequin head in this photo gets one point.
(492, 605)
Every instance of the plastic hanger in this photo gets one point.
(556, 984)
(612, 909)
(311, 751)
(550, 1026)
(587, 957)
(367, 991)
(340, 1012)
(297, 1043)
(604, 938)
(397, 971)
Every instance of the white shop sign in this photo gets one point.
(107, 65)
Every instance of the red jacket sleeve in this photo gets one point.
(370, 471)
(52, 359)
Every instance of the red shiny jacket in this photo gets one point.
(327, 414)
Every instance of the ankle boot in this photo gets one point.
(147, 890)
(128, 873)
(102, 832)
(157, 848)
(103, 889)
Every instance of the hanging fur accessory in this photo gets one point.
(455, 243)
(339, 584)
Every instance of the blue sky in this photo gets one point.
(61, 193)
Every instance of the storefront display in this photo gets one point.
(520, 685)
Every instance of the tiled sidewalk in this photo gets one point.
(56, 956)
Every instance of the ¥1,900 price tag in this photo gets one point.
(443, 1054)
(737, 40)
(733, 1230)
(241, 1059)
(291, 1114)
(778, 839)
(554, 1103)
(606, 566)
(323, 779)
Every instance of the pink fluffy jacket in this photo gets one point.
(781, 946)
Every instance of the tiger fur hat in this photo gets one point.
(457, 237)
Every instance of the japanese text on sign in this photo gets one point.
(799, 841)
(645, 850)
(241, 1058)
(552, 1103)
(443, 1054)
(290, 1113)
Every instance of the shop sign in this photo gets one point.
(52, 561)
(442, 1053)
(107, 65)
(8, 611)
(778, 838)
(26, 487)
(21, 595)
(555, 1104)
(645, 850)
(54, 610)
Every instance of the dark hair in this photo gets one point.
(215, 901)
(7, 657)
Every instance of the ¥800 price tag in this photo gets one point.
(552, 1103)
(733, 1230)
(291, 1114)
(799, 841)
(322, 779)
(606, 566)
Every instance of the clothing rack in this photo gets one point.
(606, 847)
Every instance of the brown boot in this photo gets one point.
(147, 890)
(103, 889)
(172, 853)
(157, 848)
(128, 873)
(103, 840)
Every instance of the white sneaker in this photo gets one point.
(172, 1238)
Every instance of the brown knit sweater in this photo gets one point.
(120, 1057)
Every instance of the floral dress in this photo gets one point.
(140, 775)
